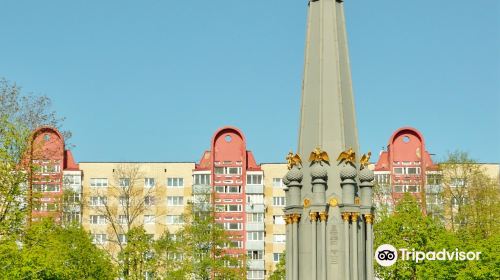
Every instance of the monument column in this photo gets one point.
(327, 127)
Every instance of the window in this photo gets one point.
(46, 187)
(202, 179)
(149, 182)
(228, 208)
(413, 170)
(228, 170)
(71, 217)
(433, 179)
(412, 188)
(123, 201)
(277, 257)
(122, 219)
(233, 170)
(255, 235)
(255, 217)
(255, 198)
(279, 201)
(254, 179)
(98, 182)
(279, 238)
(97, 219)
(277, 182)
(98, 200)
(174, 219)
(149, 200)
(237, 244)
(403, 188)
(99, 238)
(175, 200)
(149, 219)
(122, 238)
(278, 220)
(124, 182)
(72, 180)
(175, 182)
(398, 170)
(233, 189)
(233, 208)
(233, 226)
(228, 189)
(255, 274)
(382, 178)
(255, 254)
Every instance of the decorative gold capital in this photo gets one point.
(369, 218)
(346, 216)
(354, 217)
(333, 202)
(323, 216)
(313, 216)
(295, 218)
(307, 203)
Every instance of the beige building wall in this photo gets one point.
(98, 173)
(274, 226)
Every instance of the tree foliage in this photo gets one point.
(279, 272)
(49, 251)
(32, 111)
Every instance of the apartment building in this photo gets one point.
(54, 187)
(407, 167)
(248, 199)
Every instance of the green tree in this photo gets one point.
(405, 228)
(49, 251)
(279, 272)
(32, 111)
(470, 196)
(13, 144)
(203, 243)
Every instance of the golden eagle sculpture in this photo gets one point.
(293, 160)
(319, 156)
(364, 161)
(348, 156)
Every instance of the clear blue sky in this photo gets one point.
(153, 80)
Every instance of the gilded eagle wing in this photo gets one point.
(343, 156)
(324, 156)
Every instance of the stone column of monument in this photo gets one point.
(325, 239)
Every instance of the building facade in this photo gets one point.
(54, 188)
(407, 167)
(248, 199)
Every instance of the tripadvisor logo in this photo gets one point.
(387, 255)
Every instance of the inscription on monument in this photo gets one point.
(334, 240)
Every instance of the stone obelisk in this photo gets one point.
(329, 211)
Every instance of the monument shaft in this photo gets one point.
(326, 233)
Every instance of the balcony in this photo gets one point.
(255, 245)
(255, 208)
(201, 189)
(254, 189)
(255, 226)
(256, 264)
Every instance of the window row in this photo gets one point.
(407, 170)
(406, 188)
(127, 201)
(148, 182)
(124, 219)
(228, 170)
